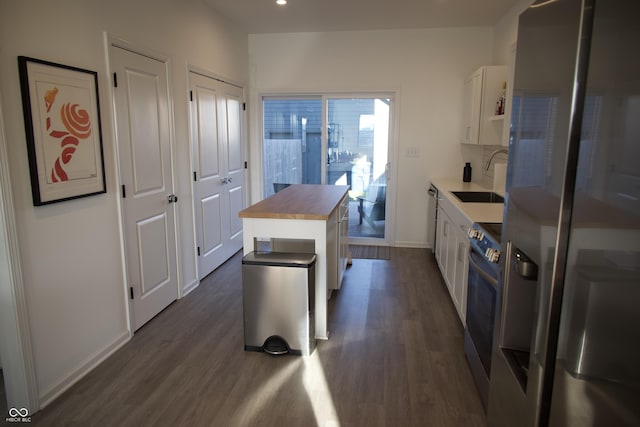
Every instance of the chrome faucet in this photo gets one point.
(501, 150)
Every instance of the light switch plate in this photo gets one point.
(413, 152)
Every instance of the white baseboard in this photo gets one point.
(190, 287)
(417, 245)
(64, 384)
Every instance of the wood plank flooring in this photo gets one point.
(394, 358)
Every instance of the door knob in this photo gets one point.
(172, 198)
(229, 179)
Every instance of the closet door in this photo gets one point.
(218, 169)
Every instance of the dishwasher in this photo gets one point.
(432, 216)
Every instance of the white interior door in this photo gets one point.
(219, 173)
(144, 148)
(234, 164)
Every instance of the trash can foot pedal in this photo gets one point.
(276, 346)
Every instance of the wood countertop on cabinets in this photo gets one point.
(299, 201)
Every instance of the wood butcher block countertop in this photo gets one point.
(299, 201)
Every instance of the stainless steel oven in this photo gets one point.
(484, 273)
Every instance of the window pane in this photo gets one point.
(292, 142)
(358, 135)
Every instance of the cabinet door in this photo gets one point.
(452, 249)
(476, 105)
(333, 250)
(446, 248)
(459, 293)
(441, 240)
(471, 112)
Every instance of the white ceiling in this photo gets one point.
(264, 16)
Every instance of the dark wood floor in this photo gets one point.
(394, 358)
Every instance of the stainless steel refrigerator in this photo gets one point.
(566, 348)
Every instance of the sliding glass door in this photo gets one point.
(354, 151)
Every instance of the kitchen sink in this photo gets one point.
(478, 196)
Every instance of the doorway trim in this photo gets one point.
(15, 338)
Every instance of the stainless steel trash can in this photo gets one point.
(278, 301)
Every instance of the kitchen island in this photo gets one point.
(303, 212)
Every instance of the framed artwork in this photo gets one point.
(64, 136)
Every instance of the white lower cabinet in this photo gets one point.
(343, 238)
(338, 243)
(333, 244)
(452, 247)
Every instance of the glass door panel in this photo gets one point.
(292, 145)
(357, 155)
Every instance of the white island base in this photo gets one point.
(306, 212)
(257, 228)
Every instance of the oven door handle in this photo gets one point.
(492, 280)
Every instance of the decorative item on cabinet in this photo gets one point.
(466, 173)
(500, 103)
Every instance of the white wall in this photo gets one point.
(506, 31)
(425, 67)
(505, 37)
(71, 252)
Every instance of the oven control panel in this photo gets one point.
(492, 255)
(484, 242)
(474, 233)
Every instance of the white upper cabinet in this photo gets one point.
(482, 89)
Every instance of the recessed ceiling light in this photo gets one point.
(281, 2)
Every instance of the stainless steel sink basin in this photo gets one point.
(478, 196)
